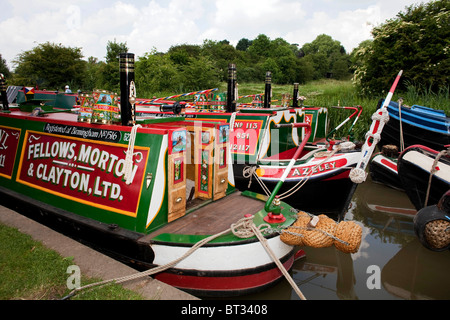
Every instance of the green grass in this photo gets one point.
(328, 93)
(30, 271)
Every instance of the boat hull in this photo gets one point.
(383, 170)
(414, 169)
(417, 127)
(227, 270)
(328, 190)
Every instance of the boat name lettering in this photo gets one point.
(83, 132)
(82, 170)
(245, 136)
(305, 171)
(3, 137)
(87, 155)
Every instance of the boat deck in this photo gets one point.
(216, 217)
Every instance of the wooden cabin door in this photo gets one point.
(203, 160)
(221, 162)
(210, 157)
(176, 174)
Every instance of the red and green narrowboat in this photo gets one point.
(264, 137)
(144, 191)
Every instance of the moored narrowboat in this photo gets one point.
(264, 137)
(425, 174)
(145, 191)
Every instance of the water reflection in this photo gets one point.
(404, 269)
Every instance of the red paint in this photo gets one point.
(389, 164)
(245, 136)
(9, 141)
(223, 283)
(87, 172)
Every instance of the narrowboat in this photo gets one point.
(264, 137)
(383, 167)
(146, 191)
(407, 126)
(425, 174)
(416, 125)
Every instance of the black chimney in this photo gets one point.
(268, 90)
(3, 92)
(295, 96)
(126, 63)
(231, 94)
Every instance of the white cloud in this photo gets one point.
(145, 24)
(237, 19)
(161, 27)
(350, 27)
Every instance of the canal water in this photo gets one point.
(391, 263)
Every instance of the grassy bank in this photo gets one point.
(30, 271)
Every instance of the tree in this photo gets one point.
(200, 74)
(91, 78)
(180, 54)
(327, 55)
(50, 65)
(322, 44)
(4, 68)
(243, 44)
(156, 73)
(113, 49)
(416, 41)
(260, 46)
(108, 73)
(221, 54)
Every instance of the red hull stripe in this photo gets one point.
(389, 164)
(222, 283)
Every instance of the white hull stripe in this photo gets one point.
(425, 163)
(221, 258)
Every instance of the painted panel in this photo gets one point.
(81, 170)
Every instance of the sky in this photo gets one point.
(145, 25)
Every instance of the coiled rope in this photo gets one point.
(244, 228)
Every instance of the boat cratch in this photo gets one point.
(155, 192)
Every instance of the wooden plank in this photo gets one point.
(214, 217)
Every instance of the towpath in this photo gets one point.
(91, 263)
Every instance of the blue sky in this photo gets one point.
(148, 24)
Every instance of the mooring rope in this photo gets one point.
(433, 171)
(128, 166)
(244, 228)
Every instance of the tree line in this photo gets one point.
(416, 40)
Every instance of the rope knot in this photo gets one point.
(244, 227)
